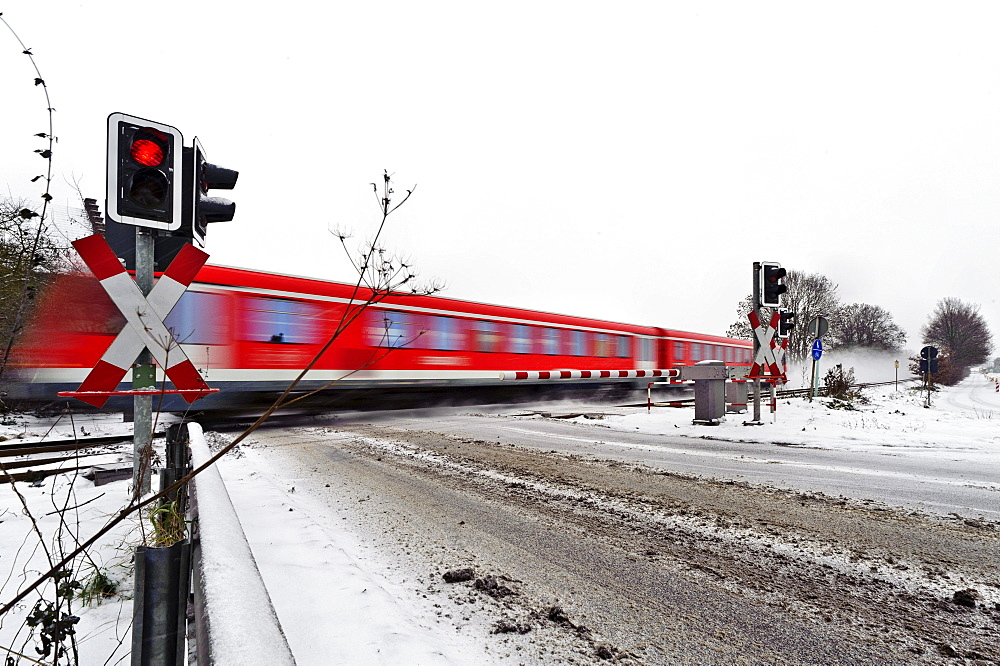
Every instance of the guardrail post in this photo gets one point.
(163, 575)
(176, 463)
(160, 604)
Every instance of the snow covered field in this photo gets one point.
(963, 423)
(365, 615)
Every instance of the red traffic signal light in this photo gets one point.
(144, 173)
(772, 286)
(147, 152)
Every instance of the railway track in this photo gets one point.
(39, 458)
(57, 445)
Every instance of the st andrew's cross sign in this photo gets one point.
(145, 327)
(767, 364)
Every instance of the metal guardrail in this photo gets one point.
(234, 620)
(202, 597)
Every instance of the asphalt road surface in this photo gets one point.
(591, 547)
(934, 484)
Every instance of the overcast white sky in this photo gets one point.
(626, 161)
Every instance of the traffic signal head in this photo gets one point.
(772, 286)
(144, 173)
(204, 176)
(786, 323)
(930, 366)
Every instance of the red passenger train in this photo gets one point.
(250, 333)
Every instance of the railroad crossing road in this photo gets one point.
(659, 567)
(931, 484)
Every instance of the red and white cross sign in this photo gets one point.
(770, 356)
(145, 315)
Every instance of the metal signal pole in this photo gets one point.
(756, 342)
(143, 374)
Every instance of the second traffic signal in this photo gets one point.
(786, 323)
(928, 360)
(772, 286)
(199, 208)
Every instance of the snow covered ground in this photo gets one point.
(962, 423)
(364, 615)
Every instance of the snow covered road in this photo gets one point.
(593, 553)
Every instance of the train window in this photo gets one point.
(577, 343)
(520, 339)
(443, 333)
(678, 351)
(278, 320)
(551, 341)
(695, 352)
(645, 350)
(602, 345)
(486, 335)
(199, 319)
(624, 347)
(391, 329)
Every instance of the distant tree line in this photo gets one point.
(956, 328)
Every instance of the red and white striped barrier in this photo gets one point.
(587, 374)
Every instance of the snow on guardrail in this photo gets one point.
(237, 615)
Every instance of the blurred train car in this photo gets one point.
(250, 333)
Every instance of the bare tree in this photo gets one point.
(808, 295)
(28, 255)
(869, 326)
(26, 229)
(741, 327)
(961, 333)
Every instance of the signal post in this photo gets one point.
(768, 286)
(158, 186)
(144, 181)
